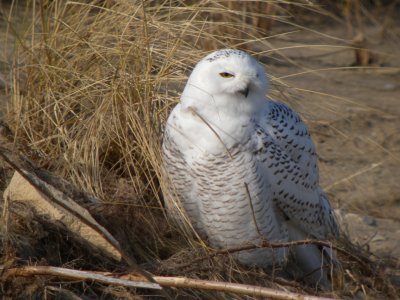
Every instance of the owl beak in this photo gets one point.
(245, 91)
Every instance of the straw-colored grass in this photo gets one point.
(93, 83)
(99, 79)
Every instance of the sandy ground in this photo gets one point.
(354, 118)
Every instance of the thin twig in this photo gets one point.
(129, 280)
(252, 208)
(212, 129)
(266, 244)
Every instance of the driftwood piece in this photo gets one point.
(47, 199)
(67, 214)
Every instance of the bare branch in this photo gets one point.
(228, 287)
(129, 280)
(266, 244)
(102, 277)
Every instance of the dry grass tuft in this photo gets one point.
(93, 83)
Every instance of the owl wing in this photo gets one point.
(290, 162)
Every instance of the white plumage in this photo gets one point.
(244, 168)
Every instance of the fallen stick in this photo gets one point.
(135, 281)
(101, 277)
(235, 288)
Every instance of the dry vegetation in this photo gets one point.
(91, 84)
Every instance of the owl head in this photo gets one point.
(228, 76)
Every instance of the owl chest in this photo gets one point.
(231, 196)
(219, 176)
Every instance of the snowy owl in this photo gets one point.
(244, 168)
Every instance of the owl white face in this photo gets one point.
(231, 73)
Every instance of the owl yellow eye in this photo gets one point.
(225, 75)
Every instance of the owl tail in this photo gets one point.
(312, 263)
(309, 264)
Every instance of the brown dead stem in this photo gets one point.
(129, 280)
(266, 244)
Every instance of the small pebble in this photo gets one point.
(378, 238)
(389, 86)
(369, 221)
